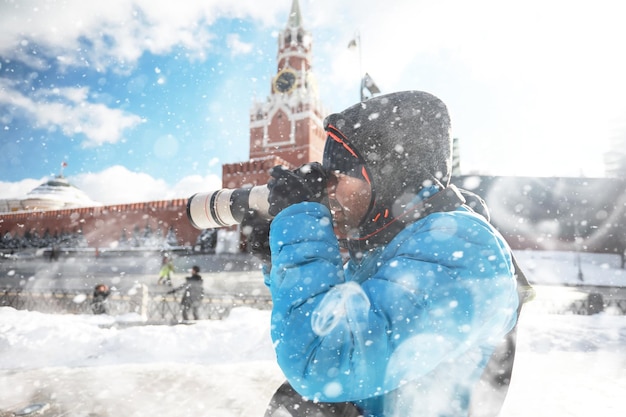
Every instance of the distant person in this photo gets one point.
(99, 303)
(165, 274)
(193, 293)
(54, 254)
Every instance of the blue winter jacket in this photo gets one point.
(404, 331)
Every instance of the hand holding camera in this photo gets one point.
(306, 183)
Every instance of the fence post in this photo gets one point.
(139, 300)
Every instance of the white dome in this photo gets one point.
(57, 193)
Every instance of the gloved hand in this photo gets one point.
(306, 183)
(256, 229)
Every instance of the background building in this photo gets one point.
(286, 128)
(615, 158)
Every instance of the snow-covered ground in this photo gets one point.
(211, 368)
(83, 365)
(566, 365)
(572, 268)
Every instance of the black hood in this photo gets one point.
(403, 142)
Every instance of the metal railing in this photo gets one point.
(150, 308)
(593, 303)
(159, 308)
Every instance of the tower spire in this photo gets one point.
(294, 43)
(295, 18)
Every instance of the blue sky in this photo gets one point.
(147, 99)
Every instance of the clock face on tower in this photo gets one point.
(285, 81)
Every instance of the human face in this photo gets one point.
(348, 198)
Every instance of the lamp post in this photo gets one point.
(578, 239)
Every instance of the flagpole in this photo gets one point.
(358, 41)
(365, 81)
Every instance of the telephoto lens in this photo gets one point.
(226, 207)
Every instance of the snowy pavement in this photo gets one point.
(566, 366)
(79, 365)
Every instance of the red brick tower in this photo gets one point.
(287, 128)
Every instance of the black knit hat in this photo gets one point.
(399, 142)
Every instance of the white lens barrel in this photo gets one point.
(216, 208)
(211, 210)
(258, 200)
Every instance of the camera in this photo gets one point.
(226, 207)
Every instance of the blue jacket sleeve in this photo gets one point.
(441, 287)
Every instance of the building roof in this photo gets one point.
(56, 193)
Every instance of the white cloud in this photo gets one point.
(534, 45)
(193, 184)
(533, 79)
(69, 110)
(488, 39)
(236, 46)
(10, 190)
(119, 185)
(115, 33)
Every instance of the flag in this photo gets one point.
(370, 85)
(63, 165)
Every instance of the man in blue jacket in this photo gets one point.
(389, 293)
